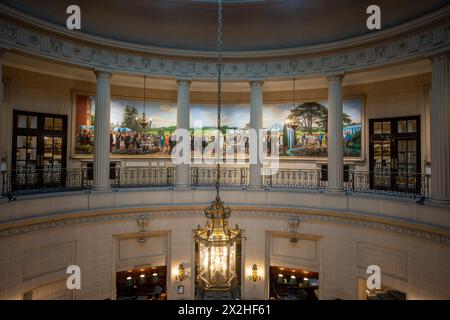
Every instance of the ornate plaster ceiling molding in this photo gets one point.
(30, 37)
(304, 215)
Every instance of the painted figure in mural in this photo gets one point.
(128, 137)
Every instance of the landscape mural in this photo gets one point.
(303, 128)
(235, 120)
(127, 136)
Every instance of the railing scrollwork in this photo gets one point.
(22, 182)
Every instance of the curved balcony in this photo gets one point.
(18, 183)
(142, 188)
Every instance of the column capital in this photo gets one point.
(186, 81)
(335, 77)
(103, 73)
(3, 50)
(440, 56)
(256, 82)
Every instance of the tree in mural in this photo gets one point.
(130, 117)
(312, 115)
(346, 120)
(308, 116)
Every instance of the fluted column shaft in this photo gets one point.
(102, 131)
(2, 112)
(183, 122)
(440, 134)
(335, 143)
(256, 123)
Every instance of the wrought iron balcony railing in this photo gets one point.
(16, 183)
(142, 177)
(229, 177)
(295, 179)
(23, 182)
(414, 185)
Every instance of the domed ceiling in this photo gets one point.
(249, 25)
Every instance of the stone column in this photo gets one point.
(2, 112)
(440, 134)
(102, 131)
(256, 123)
(335, 143)
(183, 111)
(427, 125)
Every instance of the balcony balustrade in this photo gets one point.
(25, 182)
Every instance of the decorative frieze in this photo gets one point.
(301, 215)
(33, 40)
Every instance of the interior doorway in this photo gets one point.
(142, 284)
(39, 150)
(395, 163)
(293, 284)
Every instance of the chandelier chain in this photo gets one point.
(219, 86)
(145, 93)
(293, 92)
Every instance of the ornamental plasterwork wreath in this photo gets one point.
(26, 38)
(304, 217)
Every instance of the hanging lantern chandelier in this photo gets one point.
(216, 242)
(143, 122)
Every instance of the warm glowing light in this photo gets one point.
(216, 245)
(181, 273)
(255, 274)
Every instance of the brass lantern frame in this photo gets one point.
(216, 249)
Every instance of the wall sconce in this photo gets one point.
(182, 274)
(254, 276)
(294, 222)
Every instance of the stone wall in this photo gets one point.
(34, 260)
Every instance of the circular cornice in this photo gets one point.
(388, 225)
(423, 22)
(415, 40)
(250, 27)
